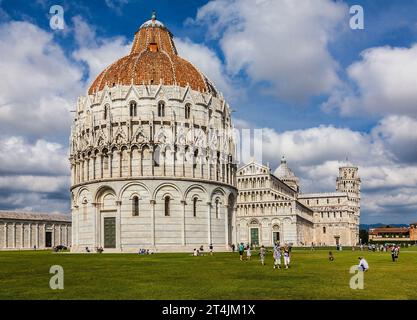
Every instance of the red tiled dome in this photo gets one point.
(153, 59)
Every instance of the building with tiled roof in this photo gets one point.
(389, 234)
(21, 230)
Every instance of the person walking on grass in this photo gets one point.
(211, 249)
(248, 253)
(277, 257)
(287, 258)
(241, 249)
(262, 253)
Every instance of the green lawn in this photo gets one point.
(25, 275)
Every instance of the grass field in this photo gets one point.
(25, 275)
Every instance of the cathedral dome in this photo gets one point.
(283, 171)
(153, 59)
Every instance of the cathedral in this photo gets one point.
(271, 208)
(153, 166)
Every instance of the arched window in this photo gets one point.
(133, 109)
(106, 112)
(167, 206)
(161, 109)
(195, 207)
(217, 208)
(187, 111)
(210, 114)
(324, 230)
(135, 206)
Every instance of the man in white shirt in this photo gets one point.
(363, 265)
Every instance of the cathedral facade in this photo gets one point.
(271, 208)
(152, 160)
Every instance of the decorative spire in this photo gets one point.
(153, 15)
(283, 160)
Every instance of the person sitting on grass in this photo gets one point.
(86, 249)
(331, 258)
(195, 253)
(363, 265)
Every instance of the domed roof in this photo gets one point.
(153, 59)
(284, 172)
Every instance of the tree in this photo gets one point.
(363, 235)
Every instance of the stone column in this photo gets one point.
(151, 150)
(87, 171)
(6, 234)
(120, 153)
(173, 164)
(110, 165)
(72, 172)
(209, 162)
(30, 235)
(216, 177)
(53, 235)
(44, 234)
(82, 171)
(77, 230)
(76, 172)
(59, 235)
(201, 166)
(94, 167)
(22, 235)
(37, 236)
(209, 222)
(221, 170)
(234, 226)
(129, 163)
(14, 235)
(153, 202)
(226, 223)
(119, 223)
(96, 234)
(183, 223)
(101, 166)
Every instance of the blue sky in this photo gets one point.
(321, 90)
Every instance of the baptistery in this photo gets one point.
(152, 155)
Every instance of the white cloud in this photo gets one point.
(97, 52)
(399, 135)
(28, 183)
(116, 5)
(389, 179)
(208, 62)
(383, 82)
(278, 42)
(18, 156)
(38, 82)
